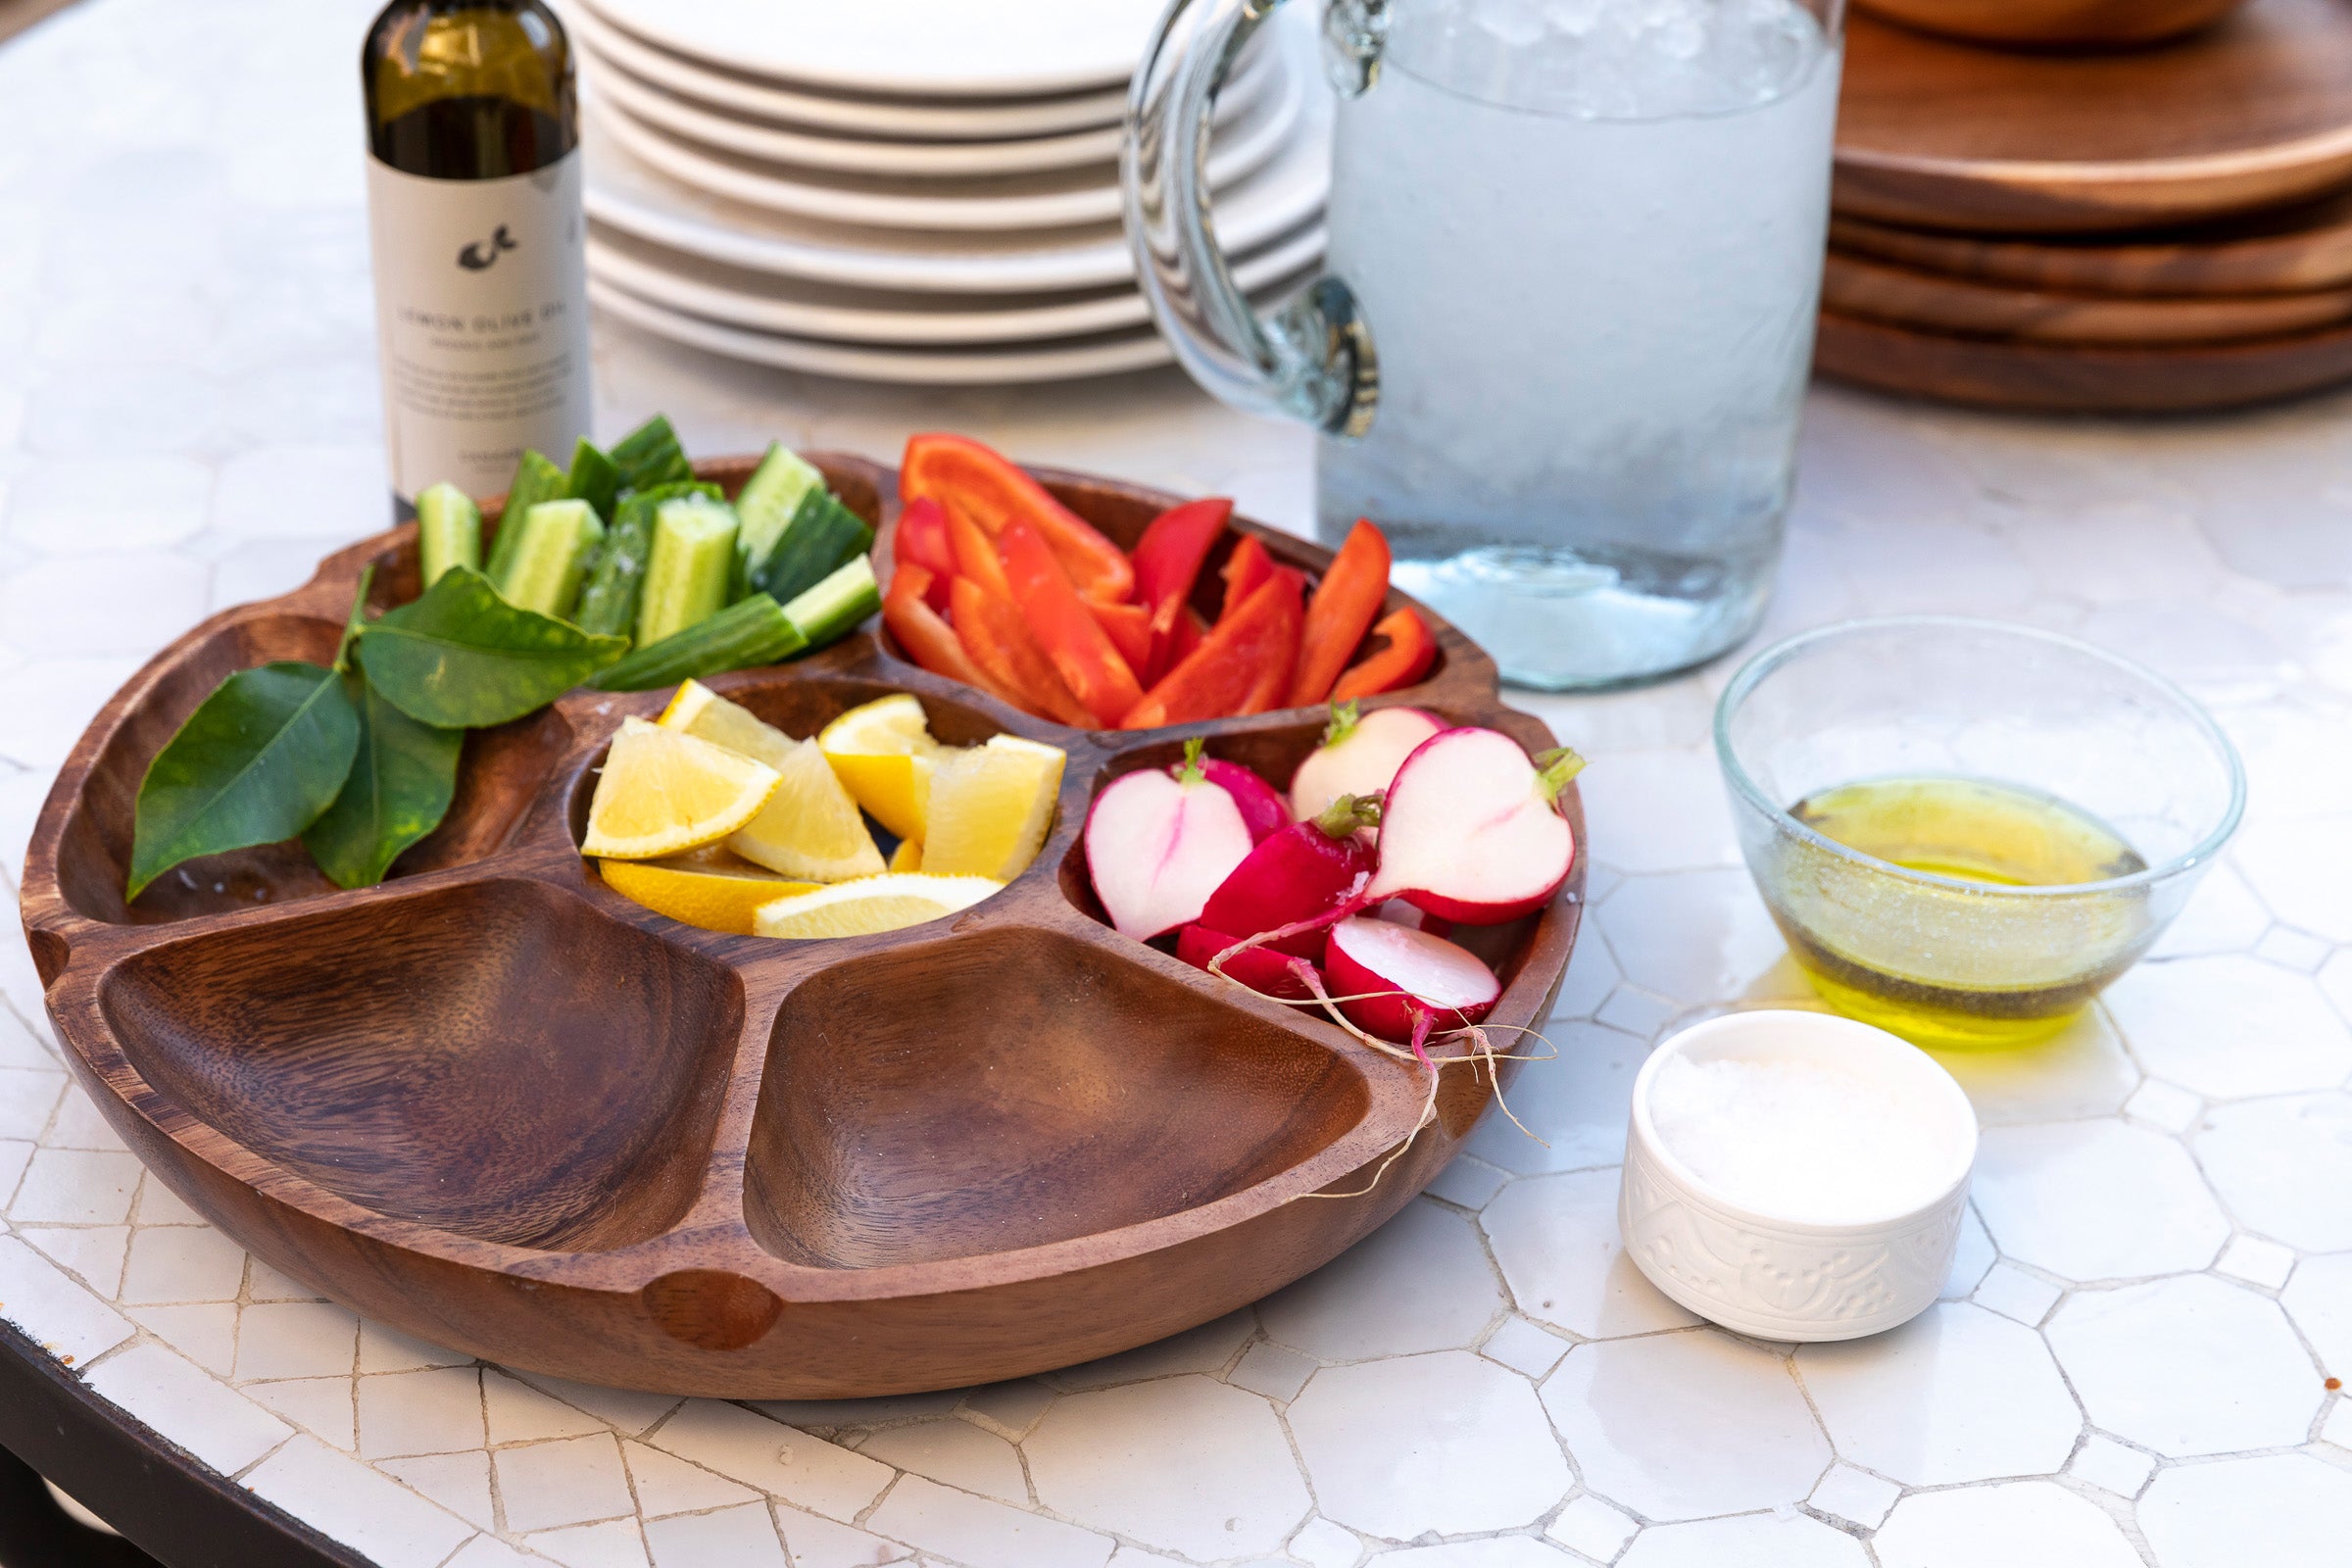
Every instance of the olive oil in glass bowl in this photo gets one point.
(1966, 829)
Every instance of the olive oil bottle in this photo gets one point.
(479, 240)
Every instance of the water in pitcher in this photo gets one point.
(1587, 235)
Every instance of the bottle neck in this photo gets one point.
(469, 90)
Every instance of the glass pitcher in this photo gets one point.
(1562, 343)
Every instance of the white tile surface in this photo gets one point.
(2320, 1301)
(2016, 1295)
(665, 1484)
(324, 1407)
(2112, 1466)
(805, 1471)
(2230, 1026)
(189, 1406)
(1498, 1551)
(2261, 1263)
(1223, 1485)
(2023, 1524)
(739, 1538)
(571, 1480)
(1320, 1544)
(55, 1311)
(2280, 1165)
(370, 1512)
(1685, 1426)
(1401, 1447)
(1556, 1238)
(955, 1451)
(1524, 1348)
(1575, 1105)
(611, 1544)
(2096, 1201)
(2187, 1366)
(1421, 1282)
(1855, 1496)
(296, 1340)
(1274, 1370)
(982, 1533)
(2281, 1511)
(457, 1482)
(435, 1410)
(173, 1265)
(1750, 1541)
(2083, 1071)
(1594, 1529)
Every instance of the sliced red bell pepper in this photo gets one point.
(1189, 632)
(922, 540)
(966, 478)
(1244, 569)
(992, 633)
(1129, 627)
(927, 639)
(976, 557)
(1082, 652)
(1217, 677)
(1273, 684)
(1168, 557)
(1346, 602)
(1409, 653)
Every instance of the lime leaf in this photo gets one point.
(399, 789)
(461, 657)
(256, 763)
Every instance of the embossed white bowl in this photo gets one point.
(1786, 1276)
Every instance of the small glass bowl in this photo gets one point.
(1943, 704)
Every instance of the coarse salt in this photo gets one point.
(1800, 1139)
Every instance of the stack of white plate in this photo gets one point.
(914, 190)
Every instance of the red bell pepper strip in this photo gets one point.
(1082, 652)
(927, 639)
(1406, 659)
(992, 633)
(1129, 628)
(1280, 668)
(922, 540)
(1217, 677)
(1244, 569)
(1189, 632)
(1346, 602)
(1168, 557)
(966, 478)
(976, 557)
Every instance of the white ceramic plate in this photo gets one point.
(1064, 199)
(734, 298)
(648, 102)
(1132, 350)
(625, 195)
(910, 48)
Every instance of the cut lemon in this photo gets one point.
(908, 857)
(703, 713)
(809, 827)
(884, 755)
(662, 792)
(697, 893)
(875, 904)
(991, 807)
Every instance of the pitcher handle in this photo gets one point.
(1313, 358)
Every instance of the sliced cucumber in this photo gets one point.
(751, 632)
(837, 606)
(822, 537)
(689, 567)
(770, 498)
(448, 532)
(536, 480)
(594, 478)
(609, 604)
(650, 454)
(551, 558)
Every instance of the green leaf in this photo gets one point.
(461, 657)
(355, 623)
(400, 788)
(256, 763)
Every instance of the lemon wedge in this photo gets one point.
(693, 892)
(990, 809)
(884, 755)
(908, 857)
(662, 792)
(703, 713)
(809, 828)
(875, 904)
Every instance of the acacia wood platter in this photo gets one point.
(496, 1105)
(2079, 378)
(1902, 296)
(2251, 112)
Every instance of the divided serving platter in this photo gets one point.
(496, 1105)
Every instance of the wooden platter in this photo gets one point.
(1905, 297)
(2048, 377)
(2288, 251)
(1941, 134)
(2054, 24)
(497, 1107)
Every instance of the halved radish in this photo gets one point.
(1399, 912)
(1307, 870)
(1276, 974)
(1471, 828)
(1360, 756)
(1261, 809)
(1158, 844)
(1402, 984)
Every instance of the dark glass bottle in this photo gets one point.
(478, 238)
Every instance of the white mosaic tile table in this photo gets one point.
(2129, 1365)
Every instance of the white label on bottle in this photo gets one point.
(481, 303)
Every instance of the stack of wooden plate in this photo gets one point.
(913, 190)
(2159, 229)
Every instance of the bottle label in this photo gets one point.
(481, 302)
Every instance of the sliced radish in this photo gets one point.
(1360, 756)
(1275, 974)
(1399, 912)
(1307, 870)
(1471, 829)
(1402, 984)
(1157, 846)
(1261, 808)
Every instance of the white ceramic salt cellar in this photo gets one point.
(1796, 1176)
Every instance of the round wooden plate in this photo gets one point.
(1944, 134)
(494, 1105)
(1904, 297)
(2045, 377)
(2288, 251)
